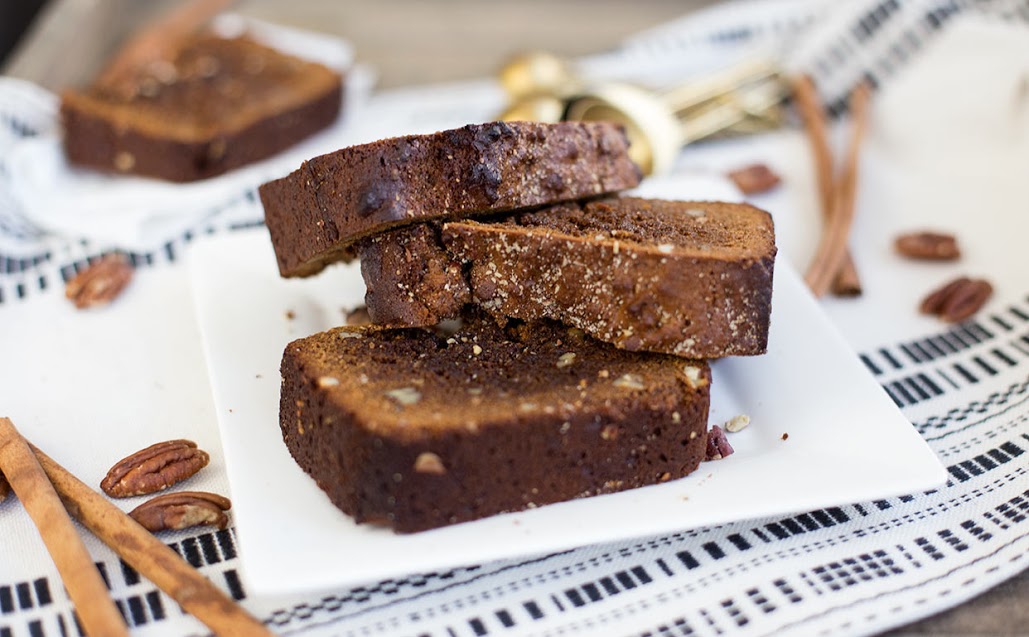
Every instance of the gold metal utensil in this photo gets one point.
(741, 99)
(537, 73)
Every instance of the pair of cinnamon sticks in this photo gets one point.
(832, 267)
(50, 493)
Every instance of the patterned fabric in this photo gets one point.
(850, 570)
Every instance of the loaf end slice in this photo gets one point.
(317, 213)
(415, 429)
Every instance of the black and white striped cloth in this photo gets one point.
(91, 385)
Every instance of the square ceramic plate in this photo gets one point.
(847, 441)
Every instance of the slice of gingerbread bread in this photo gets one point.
(220, 104)
(316, 214)
(692, 279)
(415, 429)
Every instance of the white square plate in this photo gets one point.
(847, 440)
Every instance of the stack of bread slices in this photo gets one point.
(534, 337)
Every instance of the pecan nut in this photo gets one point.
(958, 299)
(718, 446)
(182, 510)
(754, 178)
(100, 283)
(157, 467)
(931, 246)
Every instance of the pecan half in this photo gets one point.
(182, 510)
(931, 246)
(5, 488)
(958, 299)
(100, 283)
(934, 301)
(754, 178)
(718, 446)
(154, 468)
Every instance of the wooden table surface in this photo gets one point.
(413, 42)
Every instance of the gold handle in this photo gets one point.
(742, 99)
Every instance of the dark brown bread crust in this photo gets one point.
(224, 103)
(408, 428)
(318, 212)
(692, 279)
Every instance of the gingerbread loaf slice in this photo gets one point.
(692, 279)
(414, 429)
(220, 104)
(317, 213)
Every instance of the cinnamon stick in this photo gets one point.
(157, 41)
(96, 610)
(832, 248)
(846, 281)
(151, 557)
